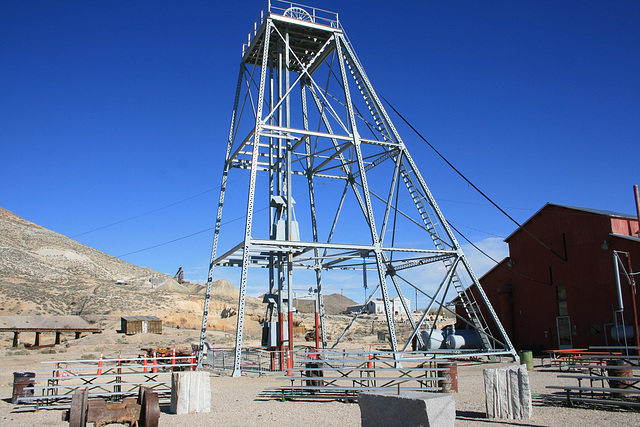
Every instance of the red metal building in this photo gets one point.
(557, 288)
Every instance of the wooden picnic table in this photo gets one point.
(572, 356)
(622, 390)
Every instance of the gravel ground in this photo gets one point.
(244, 401)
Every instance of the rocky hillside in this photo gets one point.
(33, 253)
(45, 273)
(333, 304)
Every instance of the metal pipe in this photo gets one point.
(637, 197)
(289, 199)
(618, 287)
(633, 299)
(317, 323)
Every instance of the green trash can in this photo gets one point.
(526, 358)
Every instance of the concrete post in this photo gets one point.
(409, 408)
(507, 392)
(190, 392)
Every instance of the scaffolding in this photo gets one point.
(307, 122)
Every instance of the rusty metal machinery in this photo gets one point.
(179, 276)
(143, 411)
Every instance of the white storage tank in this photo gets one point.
(463, 338)
(435, 342)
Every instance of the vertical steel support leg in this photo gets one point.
(367, 197)
(252, 189)
(314, 219)
(216, 233)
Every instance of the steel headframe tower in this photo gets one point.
(307, 122)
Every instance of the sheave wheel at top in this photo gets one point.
(298, 13)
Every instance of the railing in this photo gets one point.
(258, 360)
(316, 15)
(113, 379)
(345, 374)
(284, 8)
(255, 360)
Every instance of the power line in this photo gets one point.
(187, 236)
(475, 229)
(494, 260)
(146, 213)
(166, 243)
(469, 182)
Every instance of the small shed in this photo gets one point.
(140, 325)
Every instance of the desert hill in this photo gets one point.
(333, 304)
(31, 252)
(45, 273)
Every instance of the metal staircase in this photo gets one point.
(467, 299)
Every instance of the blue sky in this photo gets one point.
(117, 110)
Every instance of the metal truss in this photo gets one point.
(308, 123)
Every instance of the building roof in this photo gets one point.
(597, 211)
(135, 318)
(602, 212)
(45, 323)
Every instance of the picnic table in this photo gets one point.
(571, 357)
(613, 385)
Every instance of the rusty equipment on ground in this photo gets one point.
(179, 276)
(178, 359)
(167, 352)
(143, 410)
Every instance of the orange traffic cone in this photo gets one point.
(289, 363)
(173, 357)
(100, 364)
(370, 364)
(144, 363)
(155, 366)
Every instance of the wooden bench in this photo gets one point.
(605, 391)
(346, 393)
(627, 394)
(600, 378)
(325, 381)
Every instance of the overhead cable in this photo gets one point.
(471, 183)
(146, 213)
(496, 261)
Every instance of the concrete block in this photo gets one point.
(507, 393)
(409, 408)
(190, 392)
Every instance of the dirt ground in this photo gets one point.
(244, 401)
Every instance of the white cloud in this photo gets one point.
(493, 246)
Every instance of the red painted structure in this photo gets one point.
(562, 293)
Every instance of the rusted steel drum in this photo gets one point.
(314, 369)
(623, 369)
(23, 383)
(449, 378)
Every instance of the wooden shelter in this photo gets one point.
(131, 325)
(40, 324)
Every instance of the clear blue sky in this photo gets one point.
(114, 109)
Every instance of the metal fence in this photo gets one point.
(111, 379)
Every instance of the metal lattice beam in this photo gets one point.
(304, 149)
